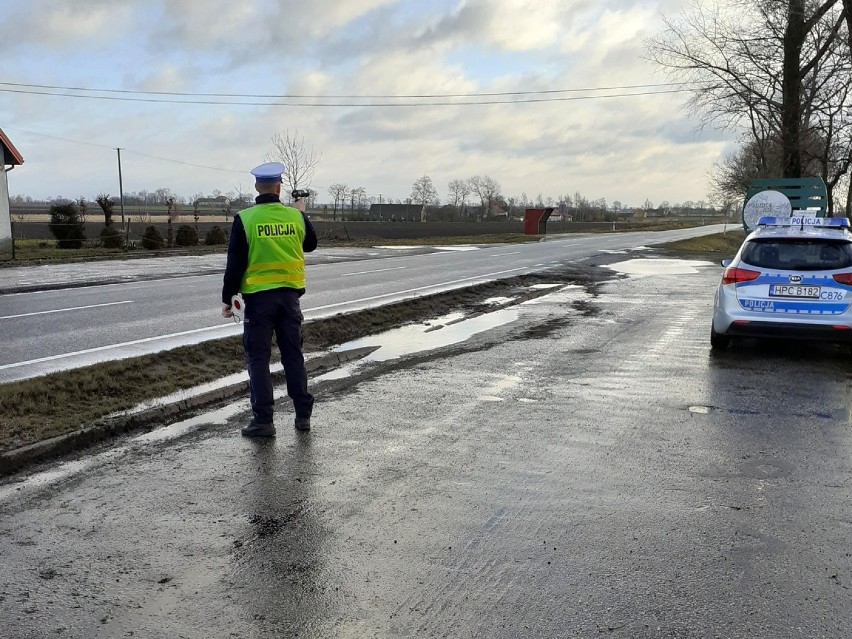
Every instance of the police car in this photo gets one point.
(791, 278)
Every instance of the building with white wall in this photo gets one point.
(11, 158)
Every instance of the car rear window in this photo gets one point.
(799, 254)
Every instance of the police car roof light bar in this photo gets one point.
(830, 222)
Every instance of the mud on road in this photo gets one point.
(69, 410)
(471, 300)
(589, 469)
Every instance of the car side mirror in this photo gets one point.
(727, 261)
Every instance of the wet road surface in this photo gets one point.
(176, 301)
(585, 469)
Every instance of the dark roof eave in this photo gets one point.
(10, 152)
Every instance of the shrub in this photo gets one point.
(111, 238)
(66, 224)
(215, 236)
(186, 236)
(152, 239)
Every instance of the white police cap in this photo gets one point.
(269, 172)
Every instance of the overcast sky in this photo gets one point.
(621, 148)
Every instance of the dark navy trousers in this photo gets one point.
(275, 311)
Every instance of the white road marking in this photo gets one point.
(220, 327)
(112, 346)
(499, 254)
(380, 270)
(127, 285)
(62, 310)
(411, 290)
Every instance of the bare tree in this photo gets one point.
(423, 191)
(458, 192)
(106, 205)
(312, 198)
(339, 192)
(83, 205)
(757, 66)
(243, 196)
(488, 190)
(357, 196)
(299, 161)
(162, 195)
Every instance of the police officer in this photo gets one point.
(266, 263)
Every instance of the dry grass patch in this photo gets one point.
(726, 244)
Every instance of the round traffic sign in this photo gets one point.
(766, 203)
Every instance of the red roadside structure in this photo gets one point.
(11, 158)
(535, 220)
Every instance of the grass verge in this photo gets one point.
(34, 252)
(723, 243)
(37, 409)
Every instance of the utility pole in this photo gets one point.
(121, 199)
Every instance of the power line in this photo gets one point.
(336, 97)
(198, 166)
(344, 104)
(106, 146)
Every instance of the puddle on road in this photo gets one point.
(408, 340)
(645, 267)
(701, 410)
(498, 301)
(447, 330)
(626, 251)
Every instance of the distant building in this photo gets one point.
(220, 205)
(11, 158)
(397, 212)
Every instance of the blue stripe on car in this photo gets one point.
(794, 307)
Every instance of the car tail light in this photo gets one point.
(843, 278)
(841, 327)
(733, 275)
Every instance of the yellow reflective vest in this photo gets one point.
(275, 257)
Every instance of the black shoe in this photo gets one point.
(303, 423)
(258, 430)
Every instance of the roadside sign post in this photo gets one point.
(803, 194)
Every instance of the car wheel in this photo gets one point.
(718, 342)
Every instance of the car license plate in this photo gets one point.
(790, 290)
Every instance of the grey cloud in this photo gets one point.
(29, 23)
(469, 21)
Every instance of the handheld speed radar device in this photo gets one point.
(238, 308)
(298, 194)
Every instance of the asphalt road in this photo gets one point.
(584, 469)
(145, 312)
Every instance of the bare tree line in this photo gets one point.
(779, 73)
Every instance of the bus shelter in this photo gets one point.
(535, 220)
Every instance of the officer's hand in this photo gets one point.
(226, 310)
